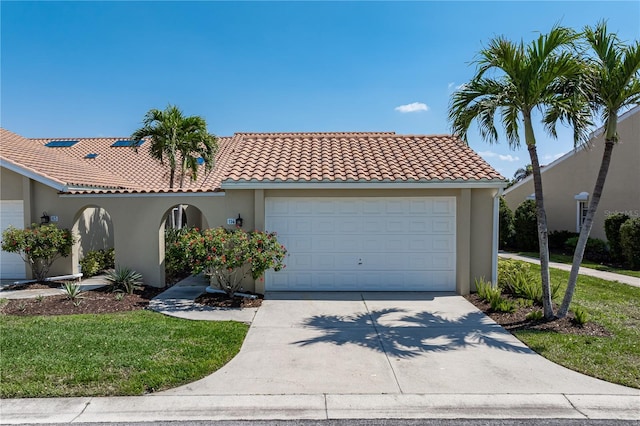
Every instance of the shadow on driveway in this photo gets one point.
(408, 335)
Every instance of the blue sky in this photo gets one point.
(81, 69)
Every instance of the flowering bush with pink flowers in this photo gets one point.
(39, 246)
(227, 256)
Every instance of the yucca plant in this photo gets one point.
(124, 279)
(72, 290)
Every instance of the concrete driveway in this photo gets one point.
(386, 343)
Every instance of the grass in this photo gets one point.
(563, 258)
(613, 305)
(128, 353)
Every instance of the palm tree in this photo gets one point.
(522, 173)
(614, 86)
(539, 76)
(174, 138)
(178, 141)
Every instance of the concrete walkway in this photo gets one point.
(177, 301)
(86, 284)
(609, 276)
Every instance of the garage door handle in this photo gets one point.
(359, 261)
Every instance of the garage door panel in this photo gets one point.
(443, 207)
(443, 226)
(404, 243)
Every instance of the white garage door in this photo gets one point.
(11, 264)
(357, 244)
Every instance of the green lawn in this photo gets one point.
(613, 305)
(563, 258)
(128, 353)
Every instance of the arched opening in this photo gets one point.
(93, 230)
(175, 221)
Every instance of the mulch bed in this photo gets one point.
(219, 300)
(100, 301)
(517, 321)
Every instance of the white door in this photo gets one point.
(11, 264)
(364, 244)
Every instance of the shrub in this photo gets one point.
(124, 279)
(500, 304)
(612, 226)
(518, 278)
(525, 224)
(595, 250)
(228, 256)
(96, 261)
(178, 258)
(630, 242)
(581, 316)
(39, 246)
(71, 290)
(536, 315)
(558, 238)
(506, 231)
(483, 288)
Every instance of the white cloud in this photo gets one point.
(490, 154)
(510, 158)
(413, 107)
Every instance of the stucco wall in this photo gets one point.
(138, 223)
(10, 185)
(134, 224)
(577, 173)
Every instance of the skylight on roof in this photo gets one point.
(92, 155)
(127, 143)
(60, 144)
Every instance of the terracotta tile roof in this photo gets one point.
(144, 173)
(354, 157)
(55, 165)
(253, 157)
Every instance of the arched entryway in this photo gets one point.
(93, 230)
(172, 223)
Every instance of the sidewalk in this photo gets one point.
(320, 407)
(609, 276)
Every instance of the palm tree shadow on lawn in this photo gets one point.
(407, 336)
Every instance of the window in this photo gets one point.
(582, 207)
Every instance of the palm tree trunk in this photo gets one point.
(543, 239)
(586, 228)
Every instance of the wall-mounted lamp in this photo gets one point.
(239, 221)
(45, 218)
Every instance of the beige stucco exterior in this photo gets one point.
(134, 223)
(576, 172)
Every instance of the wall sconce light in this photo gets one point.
(45, 218)
(239, 221)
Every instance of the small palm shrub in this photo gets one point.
(536, 315)
(581, 315)
(124, 279)
(517, 278)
